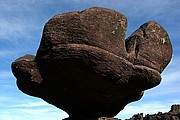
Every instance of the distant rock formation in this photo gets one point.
(105, 118)
(85, 66)
(173, 114)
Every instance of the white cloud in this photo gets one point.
(31, 114)
(20, 26)
(17, 28)
(145, 108)
(44, 113)
(33, 104)
(30, 109)
(37, 111)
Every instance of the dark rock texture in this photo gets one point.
(102, 118)
(85, 66)
(173, 114)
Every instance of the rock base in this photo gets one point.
(102, 118)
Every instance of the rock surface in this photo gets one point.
(86, 67)
(173, 114)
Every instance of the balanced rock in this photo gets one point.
(86, 67)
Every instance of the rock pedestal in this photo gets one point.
(86, 67)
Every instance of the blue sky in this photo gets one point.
(21, 25)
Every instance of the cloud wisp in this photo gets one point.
(146, 108)
(33, 104)
(32, 110)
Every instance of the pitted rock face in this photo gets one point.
(86, 67)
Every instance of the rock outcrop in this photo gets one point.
(173, 114)
(86, 67)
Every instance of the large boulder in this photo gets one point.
(86, 67)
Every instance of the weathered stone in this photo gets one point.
(150, 46)
(105, 118)
(85, 66)
(173, 114)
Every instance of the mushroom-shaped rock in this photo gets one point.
(86, 67)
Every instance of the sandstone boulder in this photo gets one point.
(86, 67)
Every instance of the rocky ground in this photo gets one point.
(173, 114)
